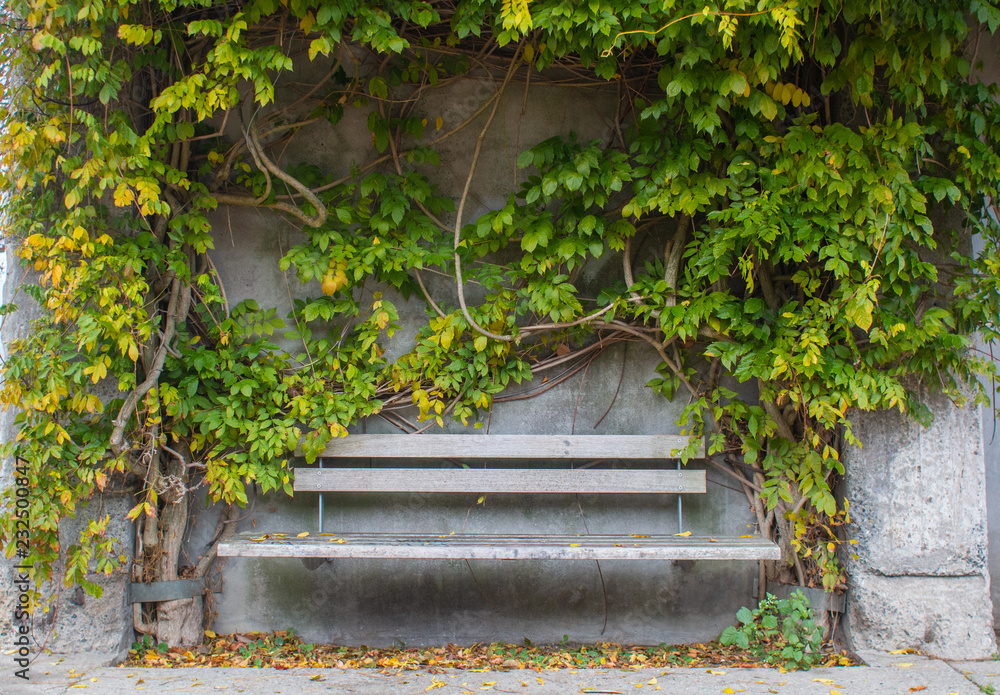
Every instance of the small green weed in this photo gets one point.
(781, 631)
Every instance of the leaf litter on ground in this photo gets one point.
(283, 650)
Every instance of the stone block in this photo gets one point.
(947, 617)
(76, 622)
(917, 494)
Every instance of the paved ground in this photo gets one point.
(885, 674)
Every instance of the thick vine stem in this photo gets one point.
(271, 169)
(224, 530)
(465, 194)
(673, 261)
(177, 310)
(767, 287)
(427, 295)
(781, 425)
(568, 324)
(661, 351)
(627, 272)
(320, 217)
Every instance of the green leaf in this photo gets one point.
(378, 87)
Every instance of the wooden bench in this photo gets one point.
(479, 481)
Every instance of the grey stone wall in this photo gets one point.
(921, 577)
(991, 447)
(918, 507)
(386, 602)
(68, 621)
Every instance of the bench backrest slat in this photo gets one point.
(498, 480)
(509, 446)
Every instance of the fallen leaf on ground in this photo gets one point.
(280, 650)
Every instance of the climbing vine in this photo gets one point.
(789, 190)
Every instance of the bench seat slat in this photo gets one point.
(498, 480)
(509, 446)
(501, 547)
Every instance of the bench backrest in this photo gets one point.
(497, 480)
(482, 480)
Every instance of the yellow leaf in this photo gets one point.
(685, 534)
(307, 22)
(835, 692)
(439, 123)
(907, 665)
(210, 635)
(824, 681)
(303, 534)
(749, 535)
(574, 545)
(908, 650)
(651, 681)
(715, 673)
(728, 691)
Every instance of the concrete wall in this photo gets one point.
(918, 503)
(427, 602)
(989, 52)
(68, 620)
(920, 578)
(991, 451)
(991, 455)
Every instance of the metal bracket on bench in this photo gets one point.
(680, 508)
(314, 563)
(165, 591)
(320, 502)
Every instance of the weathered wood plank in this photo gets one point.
(512, 480)
(509, 446)
(499, 547)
